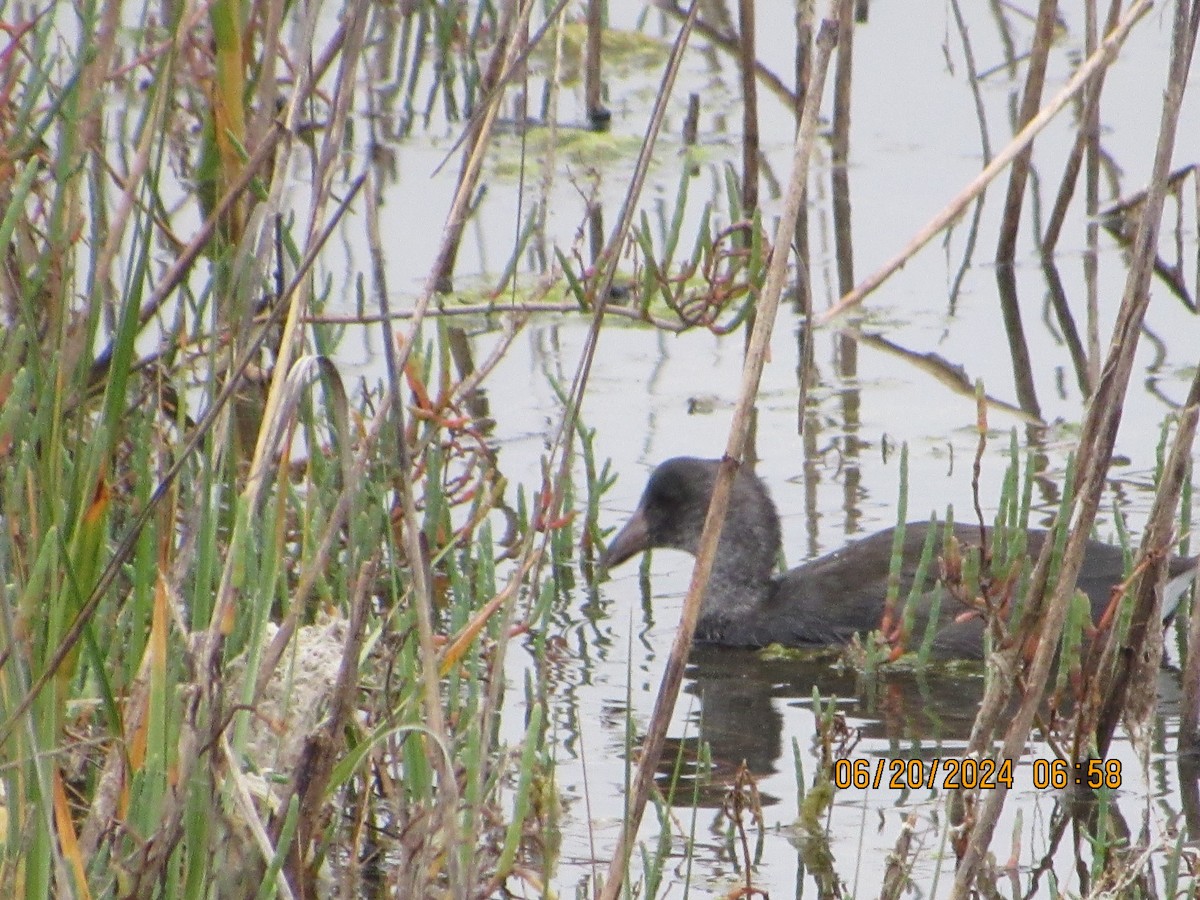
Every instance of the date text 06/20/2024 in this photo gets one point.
(953, 772)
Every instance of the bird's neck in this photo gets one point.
(736, 588)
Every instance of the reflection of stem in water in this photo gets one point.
(840, 144)
(1154, 367)
(532, 237)
(1066, 187)
(968, 255)
(804, 36)
(652, 383)
(851, 400)
(1188, 763)
(475, 398)
(806, 369)
(1004, 33)
(986, 148)
(595, 230)
(973, 81)
(1095, 158)
(1066, 322)
(945, 372)
(1006, 283)
(742, 798)
(1060, 818)
(769, 300)
(801, 235)
(747, 57)
(597, 114)
(812, 481)
(846, 350)
(1086, 138)
(478, 134)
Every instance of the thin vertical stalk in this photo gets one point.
(804, 334)
(1035, 80)
(1086, 139)
(749, 55)
(593, 84)
(1189, 720)
(478, 133)
(1092, 209)
(840, 146)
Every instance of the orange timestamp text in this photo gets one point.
(947, 773)
(1093, 773)
(950, 773)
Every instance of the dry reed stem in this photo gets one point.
(1189, 719)
(768, 305)
(600, 288)
(1132, 661)
(1035, 80)
(505, 62)
(1086, 141)
(747, 56)
(1103, 56)
(530, 556)
(492, 309)
(1095, 450)
(593, 100)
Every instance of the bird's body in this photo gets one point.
(828, 600)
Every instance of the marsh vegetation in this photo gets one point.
(337, 337)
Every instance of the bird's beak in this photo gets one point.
(633, 538)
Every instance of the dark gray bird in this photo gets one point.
(828, 600)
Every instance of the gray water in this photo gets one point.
(915, 142)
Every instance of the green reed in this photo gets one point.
(171, 520)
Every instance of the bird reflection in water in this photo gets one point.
(737, 716)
